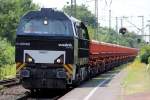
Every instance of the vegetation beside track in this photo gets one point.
(7, 55)
(11, 11)
(145, 54)
(137, 79)
(8, 71)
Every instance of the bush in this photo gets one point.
(145, 54)
(7, 71)
(7, 53)
(149, 60)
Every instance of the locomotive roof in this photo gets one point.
(49, 13)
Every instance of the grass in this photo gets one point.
(7, 71)
(137, 79)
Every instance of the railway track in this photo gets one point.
(9, 82)
(17, 92)
(14, 91)
(28, 97)
(48, 95)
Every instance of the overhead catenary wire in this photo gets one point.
(108, 4)
(96, 19)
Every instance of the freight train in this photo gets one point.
(53, 51)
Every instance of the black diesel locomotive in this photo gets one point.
(52, 50)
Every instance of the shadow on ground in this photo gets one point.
(108, 76)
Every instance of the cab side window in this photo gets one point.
(82, 32)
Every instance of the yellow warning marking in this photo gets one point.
(70, 71)
(21, 67)
(70, 66)
(18, 64)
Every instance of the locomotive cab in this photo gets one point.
(51, 50)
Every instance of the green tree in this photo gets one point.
(145, 54)
(11, 11)
(111, 36)
(83, 14)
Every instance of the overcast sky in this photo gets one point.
(119, 7)
(129, 8)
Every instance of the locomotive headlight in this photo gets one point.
(28, 59)
(45, 21)
(58, 60)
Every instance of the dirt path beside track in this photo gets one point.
(138, 96)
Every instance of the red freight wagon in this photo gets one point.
(104, 56)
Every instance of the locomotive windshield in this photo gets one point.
(45, 27)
